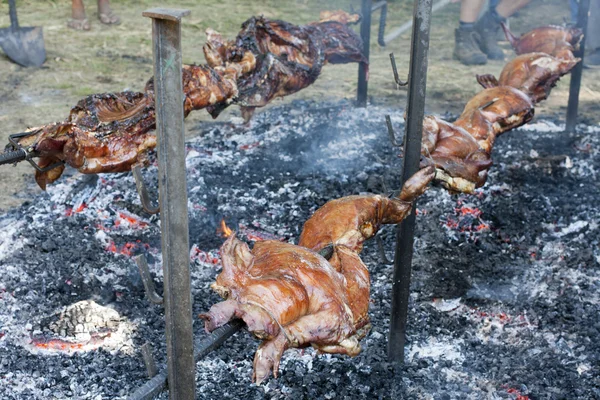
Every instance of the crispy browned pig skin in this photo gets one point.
(461, 164)
(351, 220)
(290, 296)
(535, 74)
(288, 57)
(557, 41)
(110, 132)
(494, 111)
(269, 59)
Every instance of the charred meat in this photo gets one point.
(268, 59)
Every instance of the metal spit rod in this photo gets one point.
(363, 69)
(166, 39)
(412, 152)
(573, 104)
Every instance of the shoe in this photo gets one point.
(487, 28)
(466, 49)
(592, 60)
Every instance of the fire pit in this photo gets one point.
(507, 310)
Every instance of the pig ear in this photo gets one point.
(243, 256)
(236, 255)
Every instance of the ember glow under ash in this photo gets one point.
(496, 306)
(81, 327)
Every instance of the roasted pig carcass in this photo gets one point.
(461, 164)
(110, 132)
(351, 220)
(268, 59)
(290, 296)
(557, 41)
(535, 74)
(288, 57)
(494, 111)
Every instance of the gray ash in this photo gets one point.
(507, 310)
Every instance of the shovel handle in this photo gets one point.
(12, 11)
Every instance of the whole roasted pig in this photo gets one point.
(112, 131)
(535, 74)
(494, 111)
(351, 220)
(268, 59)
(288, 57)
(290, 296)
(461, 164)
(557, 41)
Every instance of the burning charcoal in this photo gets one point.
(82, 326)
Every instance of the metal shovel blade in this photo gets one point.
(24, 45)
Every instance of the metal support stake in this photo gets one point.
(166, 39)
(363, 69)
(573, 105)
(412, 152)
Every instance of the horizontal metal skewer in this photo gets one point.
(14, 156)
(217, 337)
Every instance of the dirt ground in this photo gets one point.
(117, 58)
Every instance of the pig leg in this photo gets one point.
(326, 326)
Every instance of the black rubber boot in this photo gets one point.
(466, 48)
(487, 29)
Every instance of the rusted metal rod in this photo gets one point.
(575, 85)
(166, 39)
(216, 338)
(363, 69)
(381, 5)
(412, 153)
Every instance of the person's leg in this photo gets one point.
(507, 8)
(466, 49)
(592, 40)
(469, 10)
(488, 25)
(106, 15)
(78, 19)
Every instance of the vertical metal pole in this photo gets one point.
(363, 69)
(412, 152)
(166, 39)
(573, 105)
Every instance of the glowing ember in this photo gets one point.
(129, 220)
(249, 146)
(224, 230)
(66, 345)
(466, 219)
(80, 327)
(128, 249)
(70, 210)
(204, 257)
(518, 394)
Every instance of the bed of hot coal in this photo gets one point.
(506, 284)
